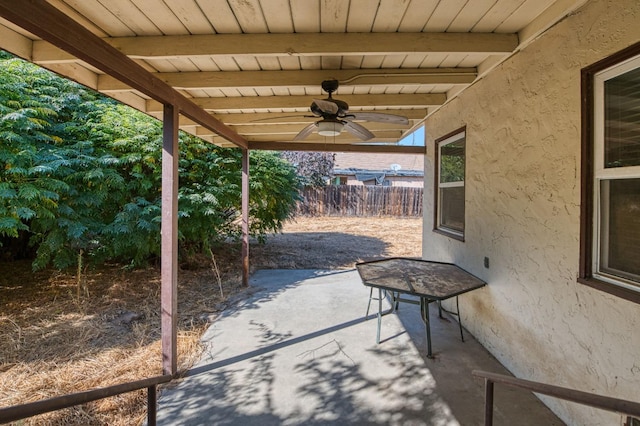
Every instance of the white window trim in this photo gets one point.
(602, 174)
(441, 144)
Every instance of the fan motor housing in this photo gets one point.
(330, 86)
(343, 108)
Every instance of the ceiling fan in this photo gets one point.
(336, 117)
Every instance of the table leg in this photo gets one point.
(369, 304)
(456, 313)
(379, 315)
(424, 310)
(459, 319)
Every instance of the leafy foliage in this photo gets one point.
(274, 192)
(79, 172)
(452, 162)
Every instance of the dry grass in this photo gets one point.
(54, 343)
(338, 242)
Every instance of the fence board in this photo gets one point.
(354, 200)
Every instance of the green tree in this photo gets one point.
(80, 173)
(49, 168)
(274, 187)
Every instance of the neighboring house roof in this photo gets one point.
(390, 164)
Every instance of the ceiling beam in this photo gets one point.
(16, 43)
(304, 117)
(324, 147)
(382, 136)
(285, 118)
(417, 100)
(308, 78)
(47, 22)
(340, 44)
(275, 130)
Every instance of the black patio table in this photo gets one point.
(428, 280)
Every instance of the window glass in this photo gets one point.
(452, 208)
(452, 162)
(622, 120)
(620, 228)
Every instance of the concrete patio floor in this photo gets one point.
(299, 351)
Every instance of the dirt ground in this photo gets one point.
(338, 242)
(59, 337)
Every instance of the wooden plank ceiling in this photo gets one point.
(257, 65)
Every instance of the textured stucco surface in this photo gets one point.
(523, 211)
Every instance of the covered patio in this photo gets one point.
(247, 75)
(498, 80)
(299, 351)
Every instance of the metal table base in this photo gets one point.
(429, 281)
(424, 303)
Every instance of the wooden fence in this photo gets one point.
(353, 200)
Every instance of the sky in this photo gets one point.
(414, 139)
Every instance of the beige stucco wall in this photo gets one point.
(523, 210)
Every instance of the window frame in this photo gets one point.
(593, 172)
(451, 137)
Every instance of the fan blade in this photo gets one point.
(378, 117)
(326, 106)
(304, 133)
(359, 131)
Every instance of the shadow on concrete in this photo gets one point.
(452, 365)
(257, 293)
(299, 351)
(281, 342)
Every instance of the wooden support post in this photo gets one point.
(169, 249)
(245, 217)
(152, 405)
(488, 402)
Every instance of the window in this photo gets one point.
(449, 192)
(610, 225)
(340, 180)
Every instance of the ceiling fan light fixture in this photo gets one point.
(329, 128)
(335, 116)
